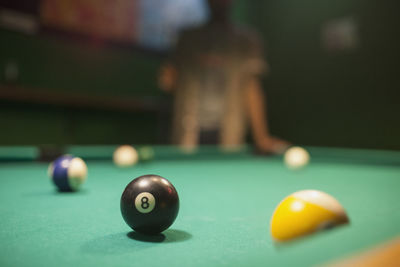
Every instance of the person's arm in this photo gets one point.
(167, 78)
(256, 110)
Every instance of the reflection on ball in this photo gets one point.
(296, 157)
(305, 212)
(125, 156)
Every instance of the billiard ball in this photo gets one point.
(68, 173)
(149, 204)
(125, 156)
(146, 153)
(305, 212)
(296, 157)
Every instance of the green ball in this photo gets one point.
(146, 153)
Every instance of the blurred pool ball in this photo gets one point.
(68, 173)
(296, 157)
(146, 153)
(125, 156)
(149, 204)
(305, 212)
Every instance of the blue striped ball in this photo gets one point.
(68, 173)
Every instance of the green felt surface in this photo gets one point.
(162, 152)
(18, 152)
(226, 205)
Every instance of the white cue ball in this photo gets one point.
(125, 156)
(296, 157)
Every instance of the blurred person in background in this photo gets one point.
(215, 75)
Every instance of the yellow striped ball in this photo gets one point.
(305, 212)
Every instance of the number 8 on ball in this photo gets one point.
(145, 202)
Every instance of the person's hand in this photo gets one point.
(272, 145)
(167, 78)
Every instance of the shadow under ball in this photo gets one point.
(149, 204)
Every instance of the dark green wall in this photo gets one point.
(62, 65)
(344, 98)
(348, 98)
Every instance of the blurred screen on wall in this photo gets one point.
(152, 24)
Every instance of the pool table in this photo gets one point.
(226, 202)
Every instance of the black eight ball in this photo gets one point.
(149, 204)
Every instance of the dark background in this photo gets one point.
(76, 90)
